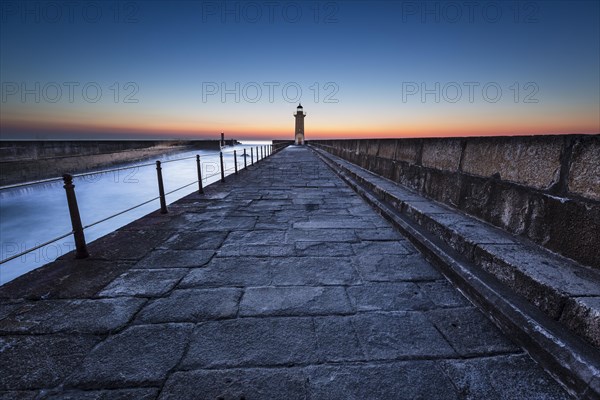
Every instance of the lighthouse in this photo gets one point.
(299, 131)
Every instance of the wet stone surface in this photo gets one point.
(280, 283)
(176, 259)
(54, 316)
(140, 355)
(192, 305)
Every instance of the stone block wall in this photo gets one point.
(23, 161)
(543, 188)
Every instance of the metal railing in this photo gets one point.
(78, 227)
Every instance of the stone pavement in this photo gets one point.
(280, 284)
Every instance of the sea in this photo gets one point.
(35, 214)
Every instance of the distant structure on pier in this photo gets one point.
(228, 142)
(299, 131)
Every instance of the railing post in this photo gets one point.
(262, 154)
(80, 246)
(161, 189)
(199, 167)
(245, 162)
(251, 156)
(235, 161)
(222, 167)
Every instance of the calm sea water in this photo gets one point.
(34, 214)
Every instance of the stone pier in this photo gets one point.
(281, 283)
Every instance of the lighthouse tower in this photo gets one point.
(299, 131)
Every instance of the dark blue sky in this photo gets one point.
(366, 69)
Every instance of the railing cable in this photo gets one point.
(39, 246)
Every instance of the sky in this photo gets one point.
(191, 69)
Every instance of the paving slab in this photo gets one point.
(334, 223)
(19, 395)
(116, 394)
(337, 340)
(223, 224)
(125, 244)
(321, 235)
(255, 250)
(175, 259)
(272, 223)
(396, 267)
(41, 361)
(400, 247)
(252, 342)
(144, 282)
(378, 234)
(140, 355)
(295, 300)
(156, 222)
(192, 305)
(397, 335)
(7, 307)
(250, 383)
(80, 315)
(269, 194)
(443, 294)
(231, 271)
(323, 249)
(399, 380)
(64, 279)
(385, 296)
(359, 209)
(203, 219)
(470, 333)
(315, 271)
(209, 240)
(245, 238)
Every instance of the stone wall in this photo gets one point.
(543, 188)
(24, 161)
